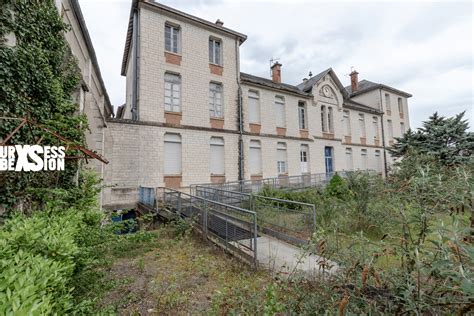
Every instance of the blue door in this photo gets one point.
(328, 160)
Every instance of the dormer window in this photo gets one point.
(215, 51)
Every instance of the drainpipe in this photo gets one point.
(136, 63)
(240, 112)
(383, 137)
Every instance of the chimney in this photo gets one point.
(219, 22)
(354, 81)
(276, 72)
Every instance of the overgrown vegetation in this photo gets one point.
(38, 80)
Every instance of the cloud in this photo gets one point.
(425, 48)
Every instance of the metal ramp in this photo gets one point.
(260, 231)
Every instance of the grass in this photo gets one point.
(157, 272)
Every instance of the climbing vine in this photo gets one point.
(39, 79)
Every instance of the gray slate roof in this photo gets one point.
(270, 84)
(366, 86)
(348, 103)
(306, 86)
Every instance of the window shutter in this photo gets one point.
(255, 157)
(362, 125)
(172, 154)
(254, 107)
(280, 112)
(349, 161)
(217, 159)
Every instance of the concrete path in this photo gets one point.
(282, 257)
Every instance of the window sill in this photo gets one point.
(281, 131)
(173, 118)
(304, 133)
(328, 135)
(217, 122)
(217, 178)
(255, 128)
(173, 58)
(173, 181)
(216, 69)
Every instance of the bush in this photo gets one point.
(42, 256)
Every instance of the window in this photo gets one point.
(375, 125)
(172, 154)
(281, 158)
(362, 125)
(172, 38)
(347, 122)
(215, 51)
(349, 161)
(330, 120)
(390, 129)
(81, 99)
(302, 115)
(363, 154)
(254, 107)
(402, 128)
(304, 158)
(388, 106)
(215, 100)
(255, 157)
(217, 156)
(280, 111)
(323, 119)
(378, 161)
(400, 105)
(172, 93)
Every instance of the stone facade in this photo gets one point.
(135, 141)
(91, 96)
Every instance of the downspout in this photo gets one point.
(383, 137)
(136, 63)
(240, 112)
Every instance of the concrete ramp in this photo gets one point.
(282, 257)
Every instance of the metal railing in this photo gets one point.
(234, 228)
(284, 219)
(282, 182)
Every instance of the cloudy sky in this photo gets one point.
(424, 47)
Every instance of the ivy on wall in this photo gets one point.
(38, 79)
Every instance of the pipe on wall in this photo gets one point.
(240, 111)
(383, 137)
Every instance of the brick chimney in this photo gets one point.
(276, 72)
(354, 81)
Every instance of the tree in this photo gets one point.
(446, 139)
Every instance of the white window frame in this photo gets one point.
(304, 158)
(217, 146)
(364, 159)
(362, 131)
(216, 100)
(174, 38)
(346, 116)
(375, 125)
(302, 116)
(171, 138)
(172, 98)
(388, 105)
(349, 159)
(282, 163)
(279, 103)
(323, 119)
(215, 51)
(254, 100)
(390, 129)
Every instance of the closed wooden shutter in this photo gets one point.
(217, 159)
(172, 154)
(349, 160)
(280, 117)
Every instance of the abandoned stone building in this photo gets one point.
(191, 116)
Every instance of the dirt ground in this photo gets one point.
(178, 276)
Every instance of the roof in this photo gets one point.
(270, 84)
(367, 86)
(351, 104)
(90, 48)
(164, 8)
(308, 84)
